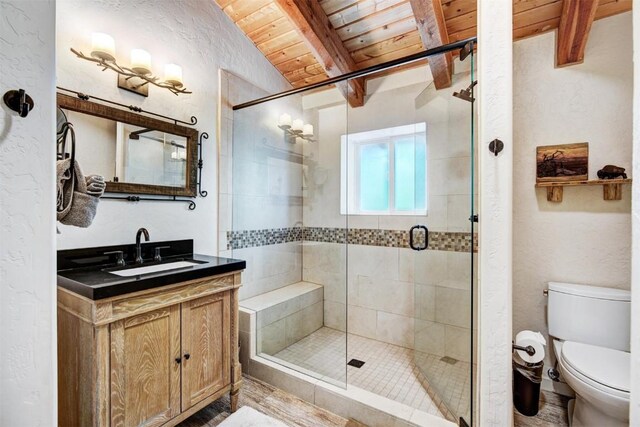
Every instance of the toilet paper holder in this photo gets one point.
(528, 349)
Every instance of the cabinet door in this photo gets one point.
(205, 347)
(145, 376)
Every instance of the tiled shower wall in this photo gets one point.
(413, 299)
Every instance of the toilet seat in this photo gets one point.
(604, 369)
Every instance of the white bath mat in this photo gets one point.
(249, 417)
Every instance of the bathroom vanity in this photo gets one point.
(150, 346)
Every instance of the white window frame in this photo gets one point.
(350, 146)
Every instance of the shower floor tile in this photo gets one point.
(389, 370)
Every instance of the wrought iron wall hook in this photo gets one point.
(201, 192)
(496, 146)
(18, 101)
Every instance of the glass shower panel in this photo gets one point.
(287, 225)
(443, 273)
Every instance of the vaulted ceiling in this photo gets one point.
(311, 40)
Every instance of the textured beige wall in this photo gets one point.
(27, 205)
(584, 239)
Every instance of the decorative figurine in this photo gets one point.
(612, 172)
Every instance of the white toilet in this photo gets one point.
(590, 327)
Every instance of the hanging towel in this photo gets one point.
(74, 205)
(96, 185)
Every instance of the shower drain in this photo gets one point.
(449, 360)
(355, 363)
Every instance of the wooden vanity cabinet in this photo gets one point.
(150, 358)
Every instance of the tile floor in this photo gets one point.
(389, 370)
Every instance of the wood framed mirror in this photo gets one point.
(136, 154)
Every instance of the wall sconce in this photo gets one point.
(295, 129)
(138, 76)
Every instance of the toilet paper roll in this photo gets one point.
(533, 339)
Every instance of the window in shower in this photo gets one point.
(383, 171)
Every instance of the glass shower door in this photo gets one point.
(442, 243)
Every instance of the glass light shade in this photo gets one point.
(103, 46)
(297, 125)
(173, 74)
(140, 61)
(307, 130)
(285, 120)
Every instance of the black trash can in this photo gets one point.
(526, 386)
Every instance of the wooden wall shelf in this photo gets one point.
(611, 188)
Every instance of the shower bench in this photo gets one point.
(286, 315)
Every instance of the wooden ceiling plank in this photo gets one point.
(386, 46)
(520, 6)
(612, 8)
(288, 53)
(453, 8)
(283, 41)
(274, 29)
(259, 18)
(535, 29)
(376, 20)
(573, 31)
(333, 6)
(538, 14)
(410, 50)
(310, 80)
(462, 22)
(314, 27)
(305, 73)
(382, 33)
(360, 10)
(239, 9)
(297, 63)
(433, 33)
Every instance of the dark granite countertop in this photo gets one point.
(88, 271)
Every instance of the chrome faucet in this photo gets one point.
(140, 232)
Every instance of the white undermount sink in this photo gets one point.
(153, 268)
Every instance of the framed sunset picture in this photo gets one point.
(569, 162)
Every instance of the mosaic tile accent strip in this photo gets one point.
(438, 240)
(252, 238)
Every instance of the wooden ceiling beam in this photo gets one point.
(313, 25)
(575, 23)
(433, 32)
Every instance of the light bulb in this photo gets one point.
(173, 74)
(285, 120)
(307, 130)
(297, 125)
(140, 61)
(103, 46)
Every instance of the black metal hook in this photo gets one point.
(496, 146)
(19, 101)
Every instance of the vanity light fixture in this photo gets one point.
(295, 129)
(138, 76)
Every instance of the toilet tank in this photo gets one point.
(590, 315)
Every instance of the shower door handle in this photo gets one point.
(412, 244)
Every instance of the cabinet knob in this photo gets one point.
(178, 360)
(187, 356)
